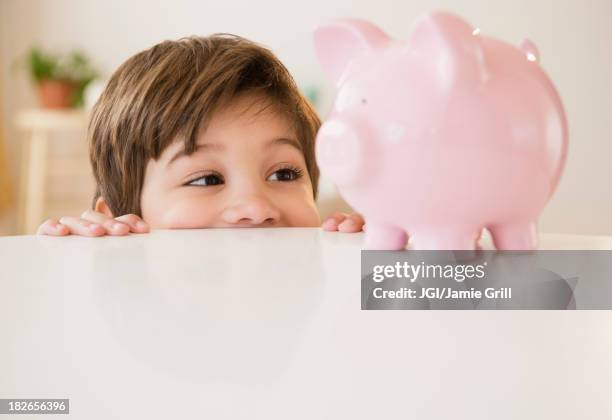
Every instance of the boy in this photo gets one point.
(202, 132)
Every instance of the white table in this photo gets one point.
(266, 324)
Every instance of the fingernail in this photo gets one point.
(329, 223)
(141, 225)
(94, 226)
(116, 226)
(347, 224)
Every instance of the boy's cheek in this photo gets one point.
(299, 207)
(179, 215)
(174, 211)
(303, 214)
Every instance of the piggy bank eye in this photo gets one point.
(364, 101)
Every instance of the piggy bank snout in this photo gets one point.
(340, 151)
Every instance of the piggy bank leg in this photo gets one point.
(449, 238)
(515, 236)
(384, 236)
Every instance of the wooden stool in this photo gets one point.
(40, 123)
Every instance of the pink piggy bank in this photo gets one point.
(440, 136)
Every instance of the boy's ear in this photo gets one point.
(102, 207)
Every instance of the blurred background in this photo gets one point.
(44, 169)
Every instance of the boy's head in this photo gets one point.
(204, 132)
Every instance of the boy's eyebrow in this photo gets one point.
(274, 142)
(182, 153)
(285, 140)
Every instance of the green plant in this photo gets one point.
(73, 67)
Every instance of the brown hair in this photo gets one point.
(173, 89)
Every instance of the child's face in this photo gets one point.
(248, 171)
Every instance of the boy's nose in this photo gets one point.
(251, 211)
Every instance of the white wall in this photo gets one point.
(574, 38)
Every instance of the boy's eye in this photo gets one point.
(285, 174)
(207, 180)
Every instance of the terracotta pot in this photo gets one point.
(56, 94)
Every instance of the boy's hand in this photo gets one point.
(342, 222)
(92, 223)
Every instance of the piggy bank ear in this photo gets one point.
(531, 51)
(339, 42)
(450, 48)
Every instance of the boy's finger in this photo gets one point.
(353, 223)
(357, 218)
(332, 222)
(82, 227)
(111, 226)
(330, 225)
(136, 224)
(52, 228)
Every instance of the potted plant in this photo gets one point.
(61, 78)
